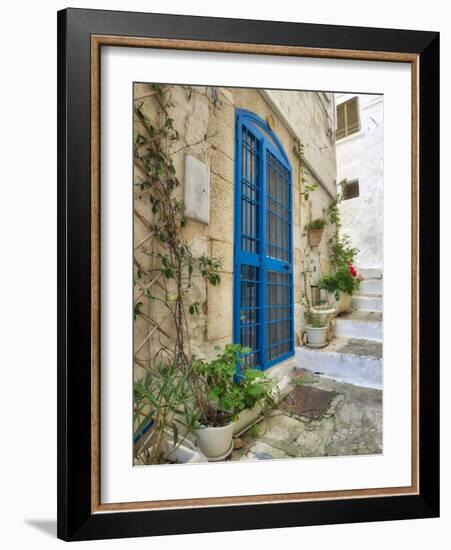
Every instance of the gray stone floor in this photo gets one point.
(352, 425)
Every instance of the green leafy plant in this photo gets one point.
(344, 277)
(229, 386)
(318, 223)
(161, 404)
(258, 387)
(254, 431)
(314, 321)
(341, 280)
(308, 188)
(342, 251)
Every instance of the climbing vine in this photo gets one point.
(344, 277)
(174, 263)
(165, 279)
(342, 251)
(305, 190)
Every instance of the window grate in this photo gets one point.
(263, 274)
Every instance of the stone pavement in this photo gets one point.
(352, 425)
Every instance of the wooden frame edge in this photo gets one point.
(262, 49)
(95, 276)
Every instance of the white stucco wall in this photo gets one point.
(310, 116)
(360, 156)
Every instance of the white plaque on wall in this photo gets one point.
(197, 189)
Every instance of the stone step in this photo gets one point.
(362, 302)
(371, 286)
(370, 273)
(365, 325)
(351, 360)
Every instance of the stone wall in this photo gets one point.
(361, 156)
(205, 120)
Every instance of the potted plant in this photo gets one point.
(323, 310)
(232, 396)
(219, 401)
(315, 331)
(341, 285)
(315, 231)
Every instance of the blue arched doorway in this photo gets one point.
(263, 255)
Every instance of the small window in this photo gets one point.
(348, 119)
(351, 190)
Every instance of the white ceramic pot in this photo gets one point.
(246, 418)
(342, 304)
(315, 337)
(215, 443)
(323, 314)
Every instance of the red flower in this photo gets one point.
(352, 270)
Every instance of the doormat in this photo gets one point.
(307, 401)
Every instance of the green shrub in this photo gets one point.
(319, 223)
(315, 321)
(342, 252)
(340, 281)
(162, 401)
(229, 386)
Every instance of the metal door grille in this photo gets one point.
(263, 274)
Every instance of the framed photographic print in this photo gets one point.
(248, 274)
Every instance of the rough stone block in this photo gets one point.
(224, 251)
(197, 122)
(222, 165)
(220, 309)
(221, 210)
(221, 129)
(281, 427)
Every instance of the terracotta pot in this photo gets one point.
(314, 237)
(342, 304)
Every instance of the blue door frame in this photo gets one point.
(263, 244)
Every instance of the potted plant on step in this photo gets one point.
(323, 310)
(340, 286)
(344, 281)
(315, 231)
(315, 331)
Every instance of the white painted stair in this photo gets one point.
(365, 321)
(355, 354)
(364, 325)
(367, 302)
(346, 359)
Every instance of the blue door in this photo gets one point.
(263, 263)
